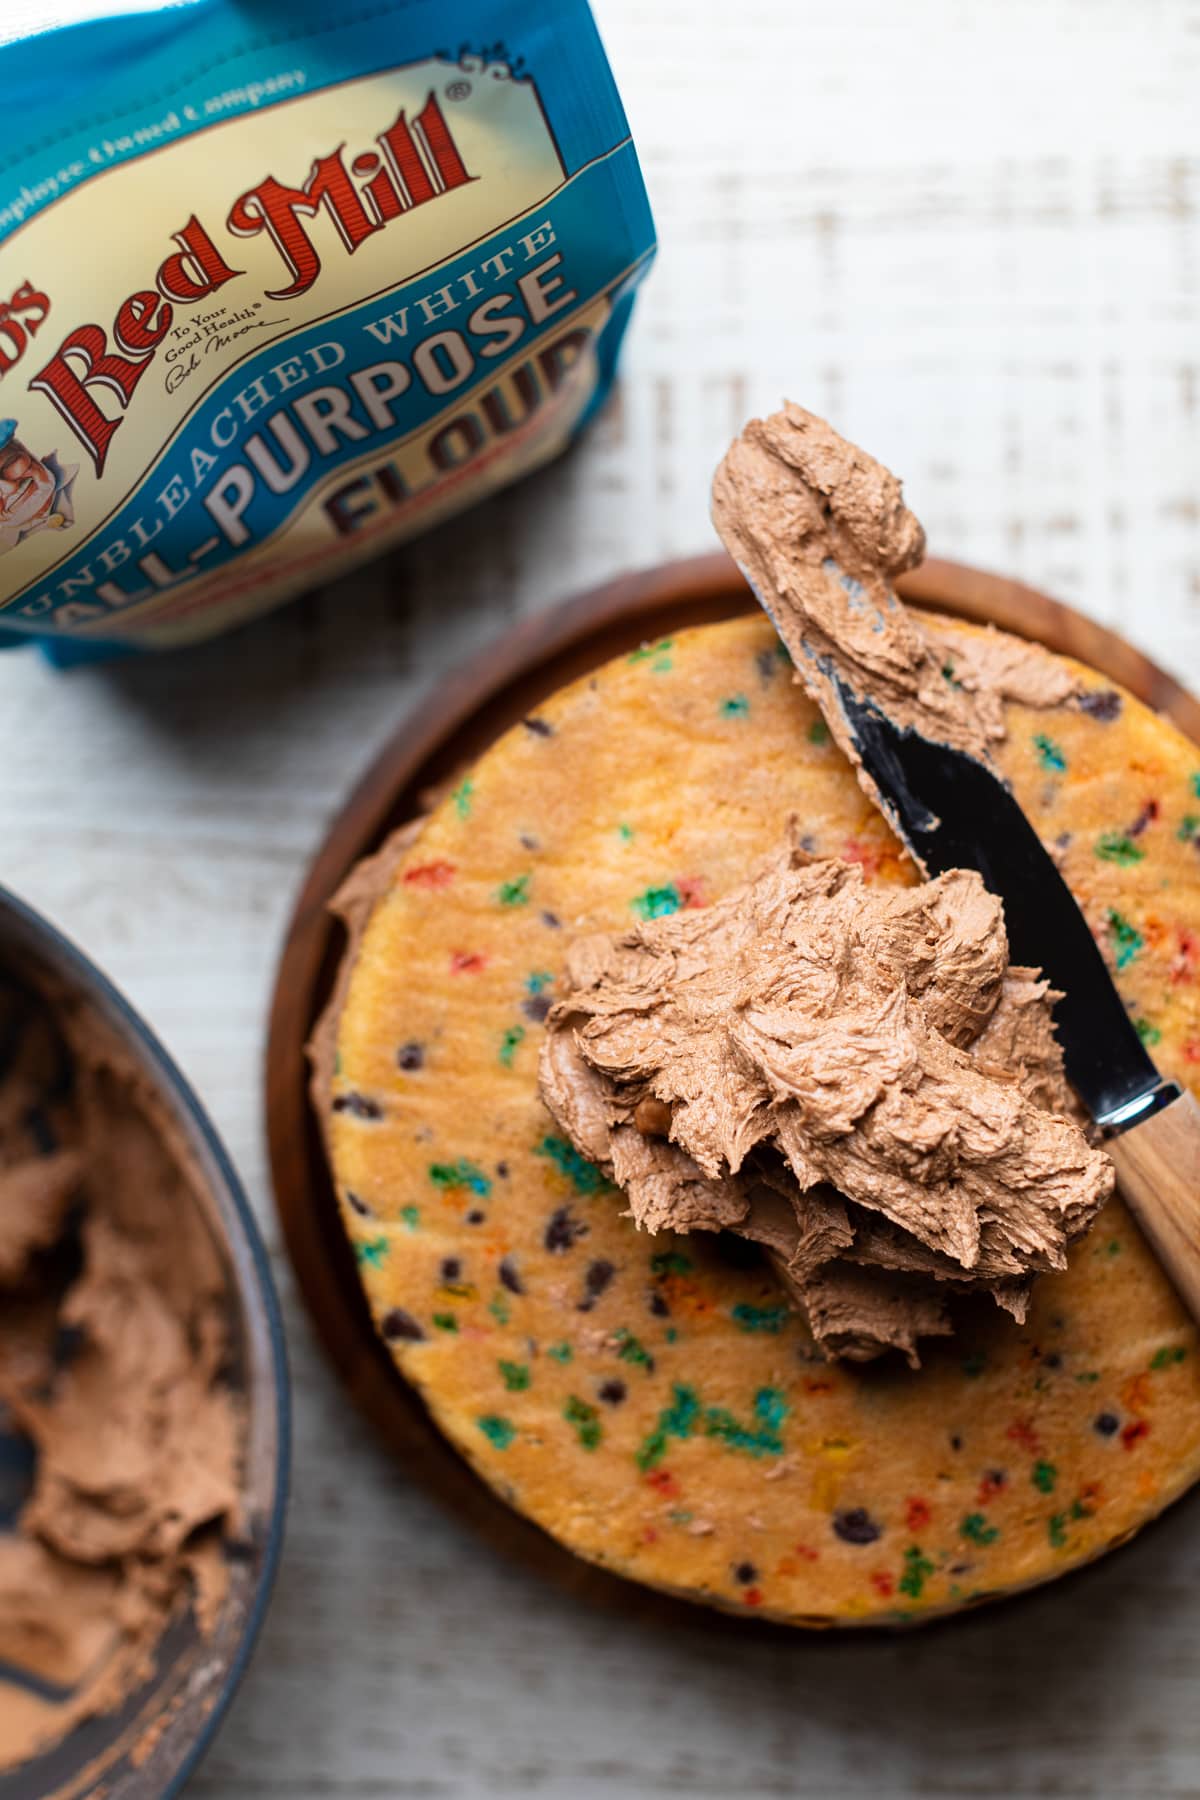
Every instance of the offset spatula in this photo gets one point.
(955, 813)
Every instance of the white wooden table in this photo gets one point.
(969, 233)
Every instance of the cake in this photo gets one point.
(652, 1400)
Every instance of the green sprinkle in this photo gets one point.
(462, 796)
(625, 833)
(509, 1045)
(976, 1528)
(515, 892)
(657, 902)
(784, 654)
(337, 1062)
(1056, 1527)
(736, 706)
(1079, 1510)
(1189, 825)
(818, 732)
(499, 1308)
(445, 1321)
(411, 1216)
(645, 651)
(560, 1353)
(670, 1334)
(1117, 847)
(515, 1376)
(1169, 1353)
(1043, 1476)
(632, 1350)
(657, 655)
(759, 1318)
(678, 1420)
(460, 1174)
(586, 1421)
(371, 1251)
(1127, 939)
(671, 1262)
(974, 1363)
(1196, 786)
(770, 1410)
(1049, 754)
(1149, 1034)
(679, 1517)
(498, 1431)
(1088, 1377)
(540, 978)
(584, 1176)
(917, 1570)
(1113, 1247)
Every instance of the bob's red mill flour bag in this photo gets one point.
(283, 282)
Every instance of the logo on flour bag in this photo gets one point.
(241, 355)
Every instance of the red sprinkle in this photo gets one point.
(431, 875)
(753, 1597)
(883, 1583)
(807, 1552)
(1186, 958)
(814, 1385)
(1136, 1428)
(665, 1483)
(1191, 1050)
(466, 962)
(991, 1485)
(869, 856)
(690, 889)
(917, 1515)
(1022, 1432)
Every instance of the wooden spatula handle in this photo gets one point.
(1158, 1171)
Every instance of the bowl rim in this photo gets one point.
(236, 1213)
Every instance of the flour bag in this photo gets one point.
(283, 282)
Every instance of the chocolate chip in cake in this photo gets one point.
(358, 1206)
(856, 1526)
(955, 1442)
(612, 1392)
(502, 1170)
(536, 1007)
(451, 1268)
(1104, 704)
(410, 1057)
(509, 1276)
(528, 841)
(1106, 1423)
(475, 1217)
(539, 727)
(658, 1306)
(358, 1105)
(745, 1573)
(563, 1230)
(400, 1326)
(599, 1275)
(552, 921)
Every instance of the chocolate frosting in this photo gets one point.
(821, 531)
(114, 1339)
(854, 1077)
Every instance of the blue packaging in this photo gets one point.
(284, 284)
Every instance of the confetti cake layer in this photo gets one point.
(652, 1402)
